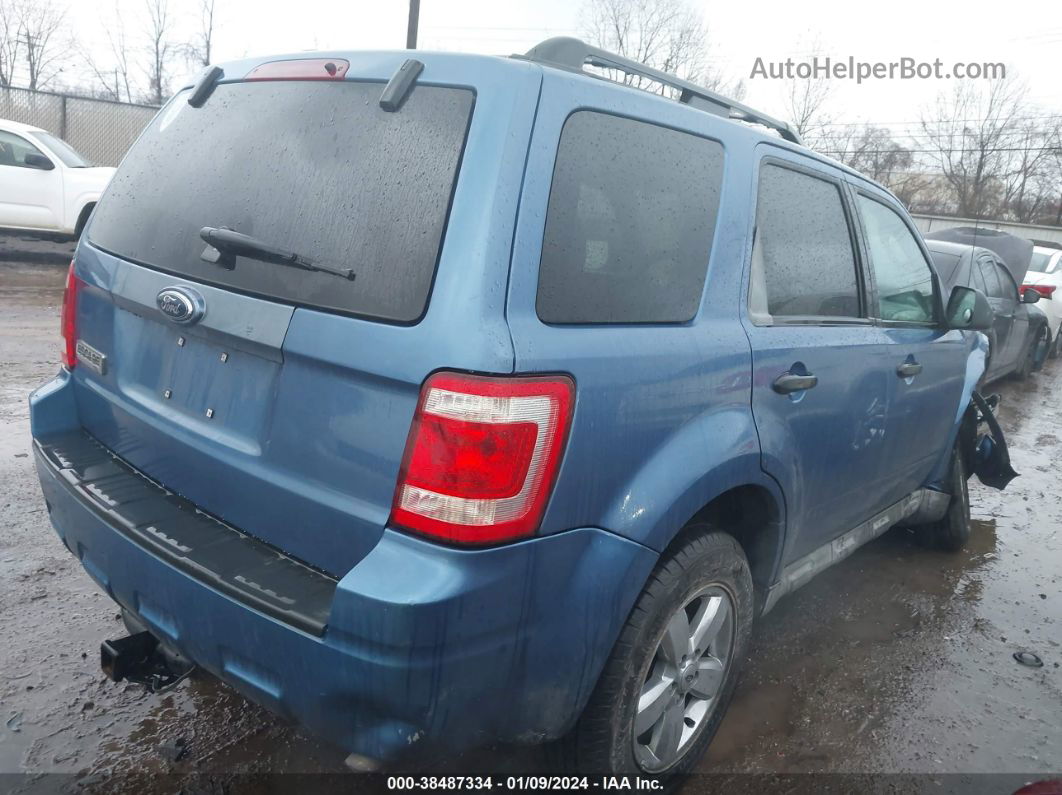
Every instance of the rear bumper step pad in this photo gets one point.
(172, 528)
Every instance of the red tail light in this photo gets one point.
(301, 69)
(1045, 290)
(482, 456)
(68, 319)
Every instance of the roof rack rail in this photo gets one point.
(569, 53)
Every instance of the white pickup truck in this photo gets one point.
(45, 185)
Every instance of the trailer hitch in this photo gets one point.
(139, 658)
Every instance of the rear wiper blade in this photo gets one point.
(224, 245)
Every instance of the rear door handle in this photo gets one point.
(789, 382)
(908, 369)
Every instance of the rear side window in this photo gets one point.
(989, 277)
(1007, 288)
(629, 224)
(977, 278)
(1041, 261)
(803, 264)
(314, 168)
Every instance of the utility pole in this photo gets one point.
(31, 61)
(414, 21)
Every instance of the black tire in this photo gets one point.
(602, 740)
(1028, 361)
(82, 219)
(1056, 345)
(952, 531)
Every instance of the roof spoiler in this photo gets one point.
(566, 52)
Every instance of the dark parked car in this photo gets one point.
(1018, 336)
(492, 405)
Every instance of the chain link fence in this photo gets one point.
(99, 129)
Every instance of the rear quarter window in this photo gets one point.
(1045, 261)
(1040, 261)
(629, 224)
(316, 168)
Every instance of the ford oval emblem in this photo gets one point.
(181, 304)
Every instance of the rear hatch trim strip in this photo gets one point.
(173, 529)
(257, 326)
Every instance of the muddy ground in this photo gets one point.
(897, 661)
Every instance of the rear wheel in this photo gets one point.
(667, 684)
(82, 219)
(953, 530)
(1028, 362)
(1056, 344)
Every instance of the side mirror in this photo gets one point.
(1029, 296)
(38, 161)
(969, 309)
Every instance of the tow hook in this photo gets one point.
(139, 658)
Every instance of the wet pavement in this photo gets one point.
(26, 249)
(897, 661)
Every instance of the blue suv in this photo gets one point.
(441, 402)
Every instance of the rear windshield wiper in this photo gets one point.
(224, 245)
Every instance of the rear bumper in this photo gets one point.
(425, 647)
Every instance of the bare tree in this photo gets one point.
(665, 34)
(122, 66)
(160, 50)
(201, 51)
(1031, 179)
(875, 152)
(113, 75)
(970, 133)
(106, 85)
(10, 40)
(1056, 181)
(981, 151)
(806, 107)
(42, 24)
(807, 101)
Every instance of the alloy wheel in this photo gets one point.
(684, 680)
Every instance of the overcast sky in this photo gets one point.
(1025, 35)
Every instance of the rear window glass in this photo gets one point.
(629, 224)
(803, 264)
(1044, 261)
(990, 278)
(1007, 288)
(314, 168)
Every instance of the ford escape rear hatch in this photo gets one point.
(282, 441)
